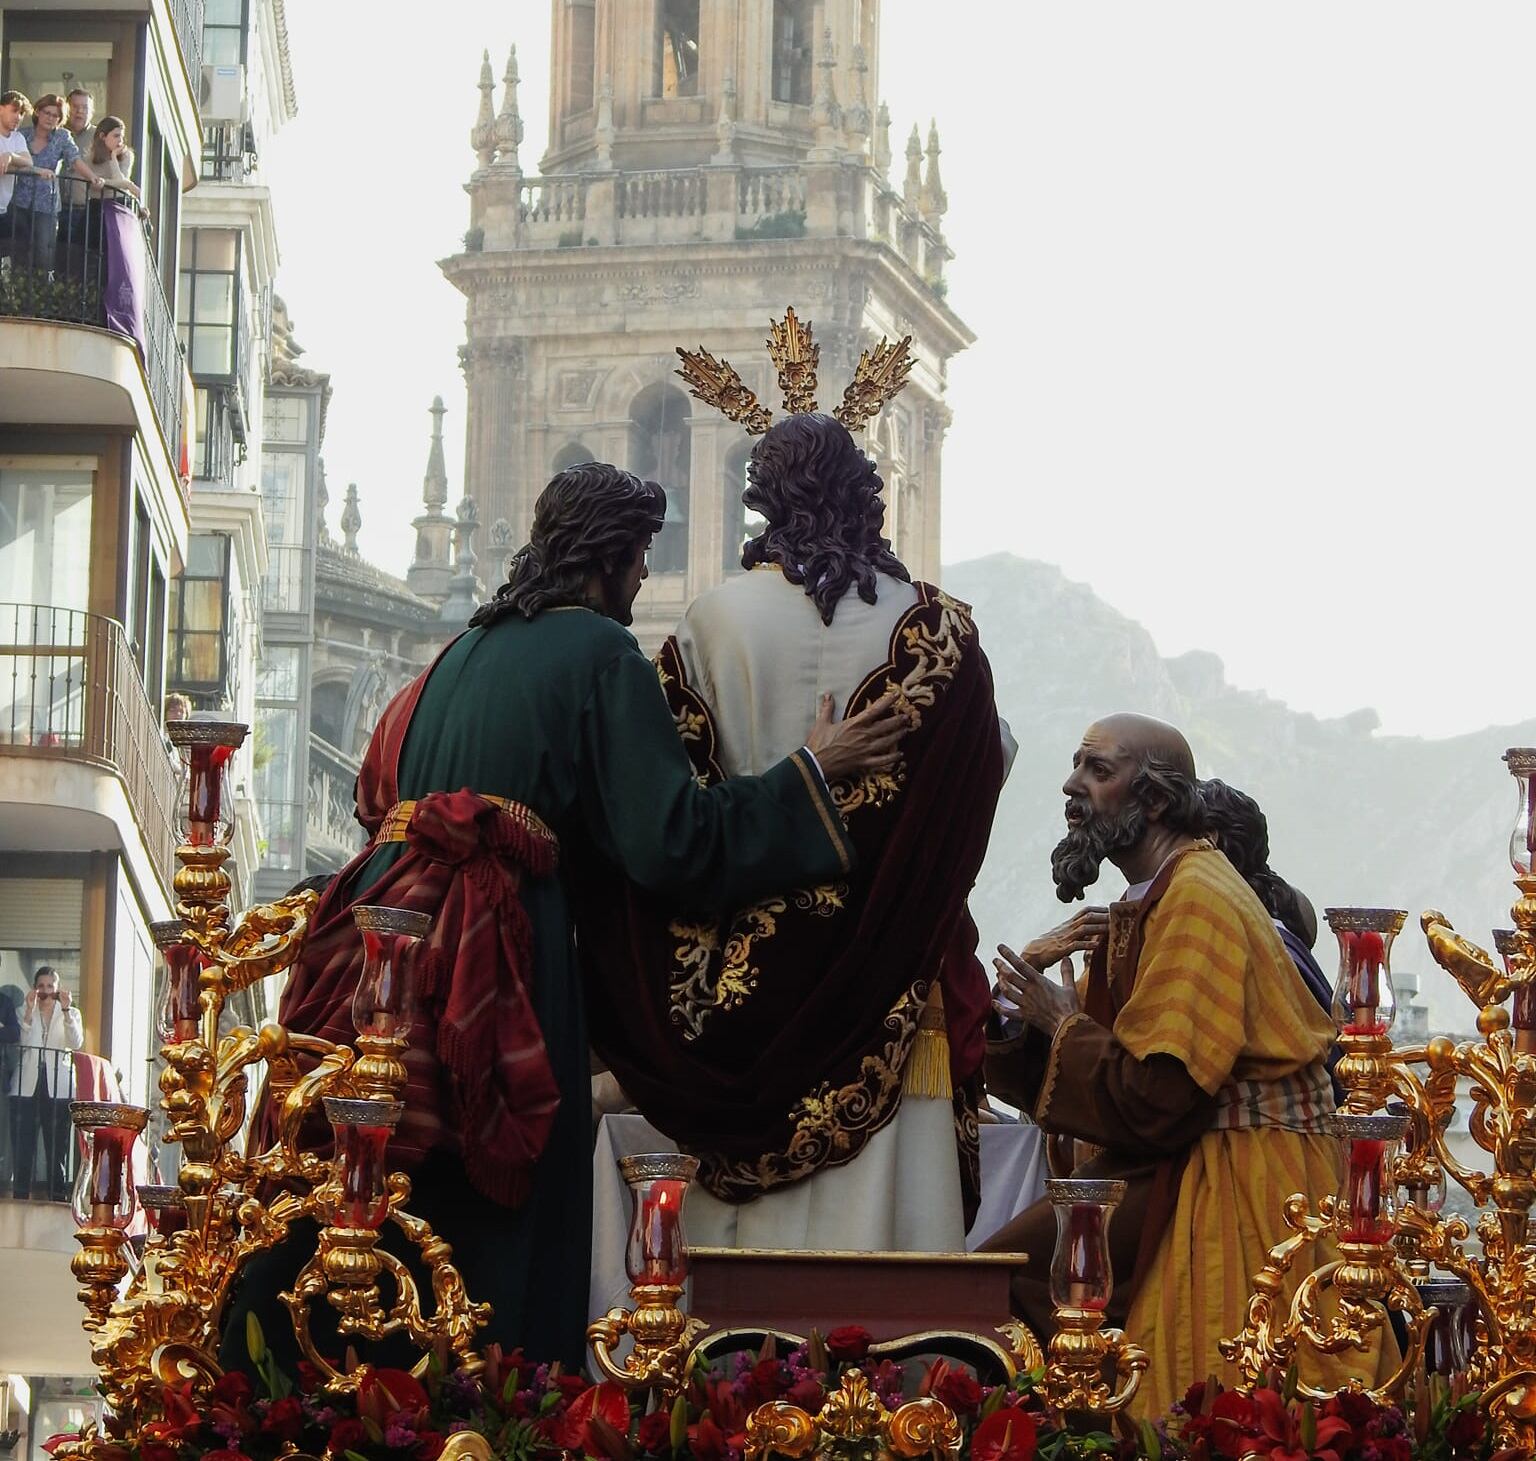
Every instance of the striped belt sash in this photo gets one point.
(398, 819)
(1302, 1102)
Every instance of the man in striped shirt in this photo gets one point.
(1194, 1061)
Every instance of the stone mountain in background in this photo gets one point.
(1354, 817)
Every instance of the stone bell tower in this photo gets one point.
(710, 162)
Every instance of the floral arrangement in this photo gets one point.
(527, 1411)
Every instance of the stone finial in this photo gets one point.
(883, 140)
(434, 486)
(322, 507)
(857, 115)
(464, 535)
(825, 112)
(509, 124)
(912, 188)
(351, 521)
(602, 132)
(465, 590)
(935, 201)
(482, 136)
(725, 127)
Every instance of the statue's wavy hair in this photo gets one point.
(1241, 830)
(821, 497)
(590, 518)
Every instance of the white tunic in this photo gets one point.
(756, 650)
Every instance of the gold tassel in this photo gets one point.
(926, 1074)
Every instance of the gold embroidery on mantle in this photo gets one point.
(831, 1124)
(695, 994)
(935, 656)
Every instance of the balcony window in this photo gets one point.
(279, 753)
(582, 19)
(677, 48)
(146, 603)
(286, 422)
(208, 302)
(200, 617)
(224, 33)
(213, 435)
(45, 532)
(792, 26)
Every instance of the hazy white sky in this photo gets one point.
(1255, 285)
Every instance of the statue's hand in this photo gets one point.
(868, 741)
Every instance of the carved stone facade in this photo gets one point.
(711, 161)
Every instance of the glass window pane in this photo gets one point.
(212, 350)
(276, 753)
(199, 662)
(221, 47)
(277, 676)
(217, 248)
(45, 536)
(213, 299)
(287, 418)
(224, 12)
(206, 553)
(282, 490)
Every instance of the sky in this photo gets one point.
(1254, 284)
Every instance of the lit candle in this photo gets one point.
(657, 1252)
(362, 1131)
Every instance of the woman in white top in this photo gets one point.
(44, 1083)
(110, 157)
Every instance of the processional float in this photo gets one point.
(155, 1318)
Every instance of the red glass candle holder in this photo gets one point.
(1521, 761)
(1447, 1348)
(180, 1015)
(1364, 1002)
(104, 1197)
(1081, 1273)
(384, 1003)
(1367, 1207)
(657, 1253)
(205, 810)
(362, 1142)
(165, 1209)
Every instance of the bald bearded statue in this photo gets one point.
(1193, 1067)
(820, 1051)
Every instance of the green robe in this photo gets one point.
(565, 715)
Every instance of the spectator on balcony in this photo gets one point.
(110, 158)
(35, 203)
(81, 105)
(44, 1083)
(14, 110)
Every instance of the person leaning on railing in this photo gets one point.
(44, 1083)
(110, 160)
(14, 110)
(35, 203)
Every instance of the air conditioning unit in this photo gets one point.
(221, 98)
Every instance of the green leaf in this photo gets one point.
(1308, 1427)
(1151, 1447)
(549, 1402)
(1292, 1379)
(679, 1432)
(993, 1403)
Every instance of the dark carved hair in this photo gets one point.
(821, 497)
(589, 519)
(1161, 780)
(1242, 832)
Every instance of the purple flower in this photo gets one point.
(398, 1436)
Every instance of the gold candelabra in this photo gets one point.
(1389, 1249)
(241, 1189)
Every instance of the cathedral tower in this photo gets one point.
(709, 163)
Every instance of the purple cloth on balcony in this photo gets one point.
(123, 299)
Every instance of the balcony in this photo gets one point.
(187, 17)
(332, 834)
(70, 691)
(99, 272)
(229, 152)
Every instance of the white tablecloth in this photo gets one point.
(1013, 1173)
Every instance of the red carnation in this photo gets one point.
(1467, 1429)
(572, 1386)
(429, 1445)
(850, 1343)
(284, 1418)
(346, 1435)
(960, 1392)
(1005, 1435)
(808, 1394)
(707, 1441)
(766, 1382)
(654, 1433)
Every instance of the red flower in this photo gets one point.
(1233, 1420)
(234, 1389)
(1278, 1437)
(572, 1386)
(1193, 1402)
(156, 1451)
(1354, 1409)
(182, 1419)
(403, 1389)
(850, 1343)
(706, 1440)
(606, 1402)
(1005, 1435)
(429, 1445)
(766, 1383)
(346, 1435)
(284, 1419)
(1467, 1428)
(310, 1378)
(960, 1392)
(808, 1394)
(654, 1433)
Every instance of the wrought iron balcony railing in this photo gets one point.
(70, 689)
